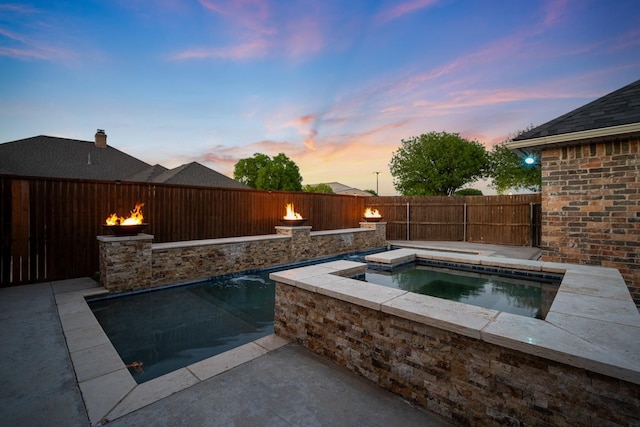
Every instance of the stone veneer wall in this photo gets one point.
(326, 243)
(467, 381)
(591, 207)
(181, 264)
(125, 265)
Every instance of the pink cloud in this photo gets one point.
(303, 37)
(344, 156)
(246, 20)
(554, 12)
(224, 158)
(30, 48)
(402, 9)
(310, 140)
(290, 32)
(11, 35)
(253, 49)
(251, 15)
(629, 39)
(22, 53)
(303, 121)
(17, 8)
(305, 127)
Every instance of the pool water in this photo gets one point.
(522, 297)
(161, 330)
(168, 329)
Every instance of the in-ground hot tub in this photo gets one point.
(520, 292)
(473, 364)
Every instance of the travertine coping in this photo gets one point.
(234, 240)
(108, 389)
(222, 241)
(593, 322)
(342, 231)
(139, 236)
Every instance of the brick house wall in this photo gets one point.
(591, 206)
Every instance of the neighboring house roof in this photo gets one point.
(55, 157)
(148, 175)
(615, 114)
(345, 189)
(66, 158)
(194, 172)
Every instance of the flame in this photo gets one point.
(135, 217)
(291, 213)
(372, 213)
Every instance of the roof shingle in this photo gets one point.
(620, 107)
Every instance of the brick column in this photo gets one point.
(300, 241)
(381, 232)
(125, 262)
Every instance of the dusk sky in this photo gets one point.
(335, 85)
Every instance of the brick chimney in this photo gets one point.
(101, 139)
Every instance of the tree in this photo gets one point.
(372, 192)
(437, 164)
(280, 174)
(508, 170)
(246, 170)
(264, 173)
(468, 192)
(318, 188)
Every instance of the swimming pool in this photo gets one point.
(511, 295)
(158, 332)
(161, 330)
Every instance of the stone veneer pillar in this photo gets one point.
(125, 262)
(300, 241)
(381, 231)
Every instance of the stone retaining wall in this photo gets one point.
(211, 258)
(133, 262)
(466, 380)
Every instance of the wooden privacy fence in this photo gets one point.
(48, 226)
(507, 220)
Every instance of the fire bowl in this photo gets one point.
(293, 222)
(372, 219)
(125, 230)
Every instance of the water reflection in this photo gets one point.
(514, 296)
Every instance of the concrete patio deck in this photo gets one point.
(285, 386)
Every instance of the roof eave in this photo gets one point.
(591, 134)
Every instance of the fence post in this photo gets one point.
(408, 222)
(464, 222)
(531, 224)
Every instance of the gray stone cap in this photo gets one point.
(342, 231)
(139, 236)
(289, 227)
(222, 241)
(592, 324)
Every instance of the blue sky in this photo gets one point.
(335, 85)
